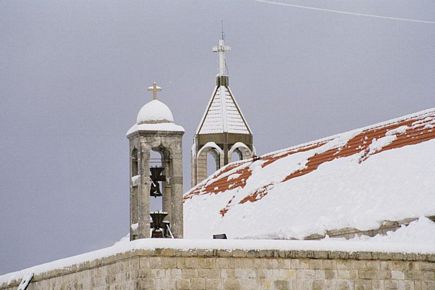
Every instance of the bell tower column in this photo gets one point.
(144, 192)
(155, 130)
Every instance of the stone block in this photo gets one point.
(228, 273)
(413, 275)
(378, 285)
(158, 273)
(168, 263)
(209, 273)
(315, 264)
(319, 275)
(430, 285)
(425, 266)
(191, 263)
(197, 284)
(344, 264)
(305, 274)
(368, 274)
(347, 274)
(213, 283)
(284, 263)
(397, 275)
(146, 284)
(245, 273)
(329, 264)
(232, 284)
(428, 275)
(173, 273)
(225, 263)
(207, 263)
(303, 284)
(394, 284)
(189, 273)
(182, 284)
(281, 285)
(330, 274)
(344, 285)
(154, 262)
(363, 285)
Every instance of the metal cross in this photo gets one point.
(154, 88)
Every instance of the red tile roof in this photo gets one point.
(404, 131)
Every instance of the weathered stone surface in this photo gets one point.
(174, 269)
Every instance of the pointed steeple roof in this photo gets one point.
(222, 115)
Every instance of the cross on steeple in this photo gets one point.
(221, 49)
(154, 89)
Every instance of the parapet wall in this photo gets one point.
(243, 269)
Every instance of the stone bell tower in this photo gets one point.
(155, 130)
(223, 131)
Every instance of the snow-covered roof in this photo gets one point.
(155, 116)
(154, 111)
(355, 179)
(223, 115)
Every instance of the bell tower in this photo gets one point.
(158, 178)
(223, 131)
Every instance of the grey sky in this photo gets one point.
(73, 75)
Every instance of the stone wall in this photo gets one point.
(251, 269)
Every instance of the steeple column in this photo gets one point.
(143, 196)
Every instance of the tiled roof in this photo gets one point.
(223, 115)
(272, 169)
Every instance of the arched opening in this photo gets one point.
(157, 180)
(236, 155)
(134, 163)
(212, 161)
(239, 151)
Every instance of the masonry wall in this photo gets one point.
(220, 269)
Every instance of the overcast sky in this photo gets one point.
(73, 75)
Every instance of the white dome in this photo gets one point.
(154, 112)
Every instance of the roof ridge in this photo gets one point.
(375, 125)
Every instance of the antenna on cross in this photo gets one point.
(222, 29)
(154, 89)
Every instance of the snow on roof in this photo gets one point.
(354, 179)
(155, 116)
(154, 111)
(223, 114)
(405, 240)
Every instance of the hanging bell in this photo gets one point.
(155, 189)
(156, 176)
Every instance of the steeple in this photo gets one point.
(223, 129)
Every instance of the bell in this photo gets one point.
(158, 224)
(155, 189)
(156, 176)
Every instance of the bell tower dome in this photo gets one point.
(155, 130)
(223, 131)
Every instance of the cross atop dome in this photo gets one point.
(154, 89)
